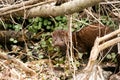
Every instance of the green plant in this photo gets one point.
(36, 24)
(13, 40)
(111, 57)
(17, 27)
(108, 21)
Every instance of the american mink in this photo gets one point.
(83, 40)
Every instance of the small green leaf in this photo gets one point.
(17, 27)
(36, 19)
(40, 19)
(35, 27)
(58, 18)
(41, 56)
(39, 25)
(49, 22)
(113, 55)
(45, 22)
(15, 41)
(48, 27)
(30, 20)
(64, 19)
(11, 39)
(109, 56)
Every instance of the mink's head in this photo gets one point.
(60, 38)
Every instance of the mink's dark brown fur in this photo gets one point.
(83, 40)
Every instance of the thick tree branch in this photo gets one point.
(52, 10)
(66, 8)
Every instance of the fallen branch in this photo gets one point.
(19, 63)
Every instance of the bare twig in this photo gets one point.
(70, 44)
